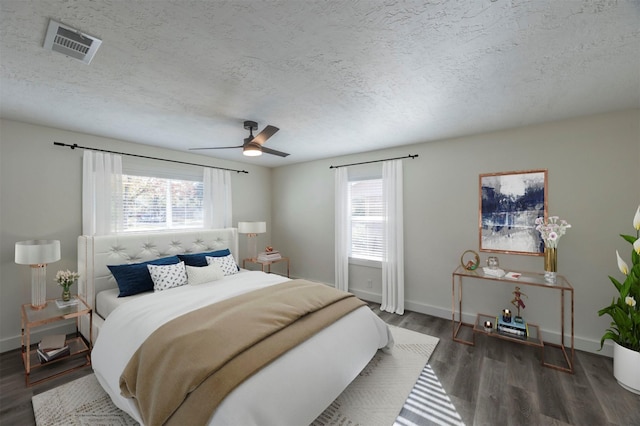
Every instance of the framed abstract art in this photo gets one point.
(510, 202)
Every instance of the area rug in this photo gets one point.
(375, 397)
(428, 404)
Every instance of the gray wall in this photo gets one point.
(40, 198)
(593, 182)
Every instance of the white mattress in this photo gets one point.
(108, 300)
(293, 390)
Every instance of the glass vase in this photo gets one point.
(66, 294)
(550, 264)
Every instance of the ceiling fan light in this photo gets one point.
(252, 150)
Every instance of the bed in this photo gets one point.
(293, 389)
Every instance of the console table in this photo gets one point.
(561, 286)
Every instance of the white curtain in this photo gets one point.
(393, 261)
(101, 193)
(217, 198)
(342, 229)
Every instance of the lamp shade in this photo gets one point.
(252, 227)
(37, 252)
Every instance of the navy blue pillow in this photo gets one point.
(199, 259)
(134, 278)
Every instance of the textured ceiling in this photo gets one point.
(337, 77)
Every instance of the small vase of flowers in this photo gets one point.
(624, 329)
(65, 279)
(551, 231)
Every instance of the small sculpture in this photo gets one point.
(518, 303)
(471, 264)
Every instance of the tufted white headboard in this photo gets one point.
(96, 252)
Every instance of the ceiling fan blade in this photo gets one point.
(265, 134)
(216, 147)
(273, 151)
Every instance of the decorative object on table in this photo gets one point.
(52, 347)
(66, 279)
(493, 262)
(518, 303)
(268, 249)
(470, 260)
(506, 315)
(66, 303)
(252, 229)
(624, 330)
(497, 272)
(38, 253)
(550, 232)
(513, 275)
(269, 256)
(488, 326)
(512, 328)
(508, 203)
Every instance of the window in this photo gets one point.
(366, 208)
(155, 203)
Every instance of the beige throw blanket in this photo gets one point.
(185, 368)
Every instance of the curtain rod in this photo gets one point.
(374, 161)
(75, 145)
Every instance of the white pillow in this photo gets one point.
(204, 274)
(165, 277)
(227, 264)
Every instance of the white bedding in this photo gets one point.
(292, 390)
(107, 301)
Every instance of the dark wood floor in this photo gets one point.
(495, 382)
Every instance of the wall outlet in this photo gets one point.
(369, 284)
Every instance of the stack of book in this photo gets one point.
(269, 256)
(512, 328)
(52, 347)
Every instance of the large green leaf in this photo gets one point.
(615, 282)
(629, 238)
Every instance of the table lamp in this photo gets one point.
(252, 229)
(38, 253)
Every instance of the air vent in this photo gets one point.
(71, 42)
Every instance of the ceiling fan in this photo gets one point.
(254, 146)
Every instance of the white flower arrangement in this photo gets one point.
(552, 230)
(66, 278)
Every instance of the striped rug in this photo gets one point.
(428, 404)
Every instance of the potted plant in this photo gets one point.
(625, 313)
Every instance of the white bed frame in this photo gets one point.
(96, 252)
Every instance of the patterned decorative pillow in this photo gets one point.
(204, 274)
(227, 264)
(134, 278)
(199, 259)
(167, 276)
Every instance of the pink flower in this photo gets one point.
(553, 236)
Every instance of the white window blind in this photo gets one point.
(154, 203)
(366, 219)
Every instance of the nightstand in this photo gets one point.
(268, 263)
(79, 348)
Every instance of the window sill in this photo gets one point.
(365, 262)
